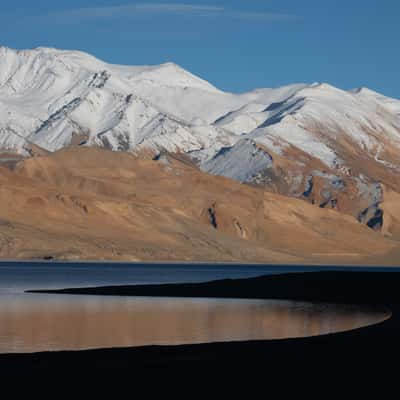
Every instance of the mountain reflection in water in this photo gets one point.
(34, 323)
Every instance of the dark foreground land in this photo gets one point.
(371, 353)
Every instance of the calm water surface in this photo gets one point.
(15, 277)
(39, 322)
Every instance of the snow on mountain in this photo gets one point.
(315, 138)
(323, 121)
(298, 140)
(47, 96)
(240, 162)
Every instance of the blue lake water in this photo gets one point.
(42, 322)
(16, 277)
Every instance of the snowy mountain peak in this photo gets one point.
(363, 90)
(286, 139)
(171, 74)
(54, 60)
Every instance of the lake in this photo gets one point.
(40, 322)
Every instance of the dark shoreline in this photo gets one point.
(323, 286)
(370, 351)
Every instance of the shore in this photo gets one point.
(370, 351)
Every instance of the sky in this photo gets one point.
(237, 45)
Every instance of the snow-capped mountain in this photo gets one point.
(53, 98)
(334, 148)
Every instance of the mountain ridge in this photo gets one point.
(327, 146)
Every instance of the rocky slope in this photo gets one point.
(90, 203)
(335, 149)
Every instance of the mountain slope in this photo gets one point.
(48, 97)
(332, 148)
(91, 203)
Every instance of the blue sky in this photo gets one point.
(236, 45)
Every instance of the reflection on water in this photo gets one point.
(54, 322)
